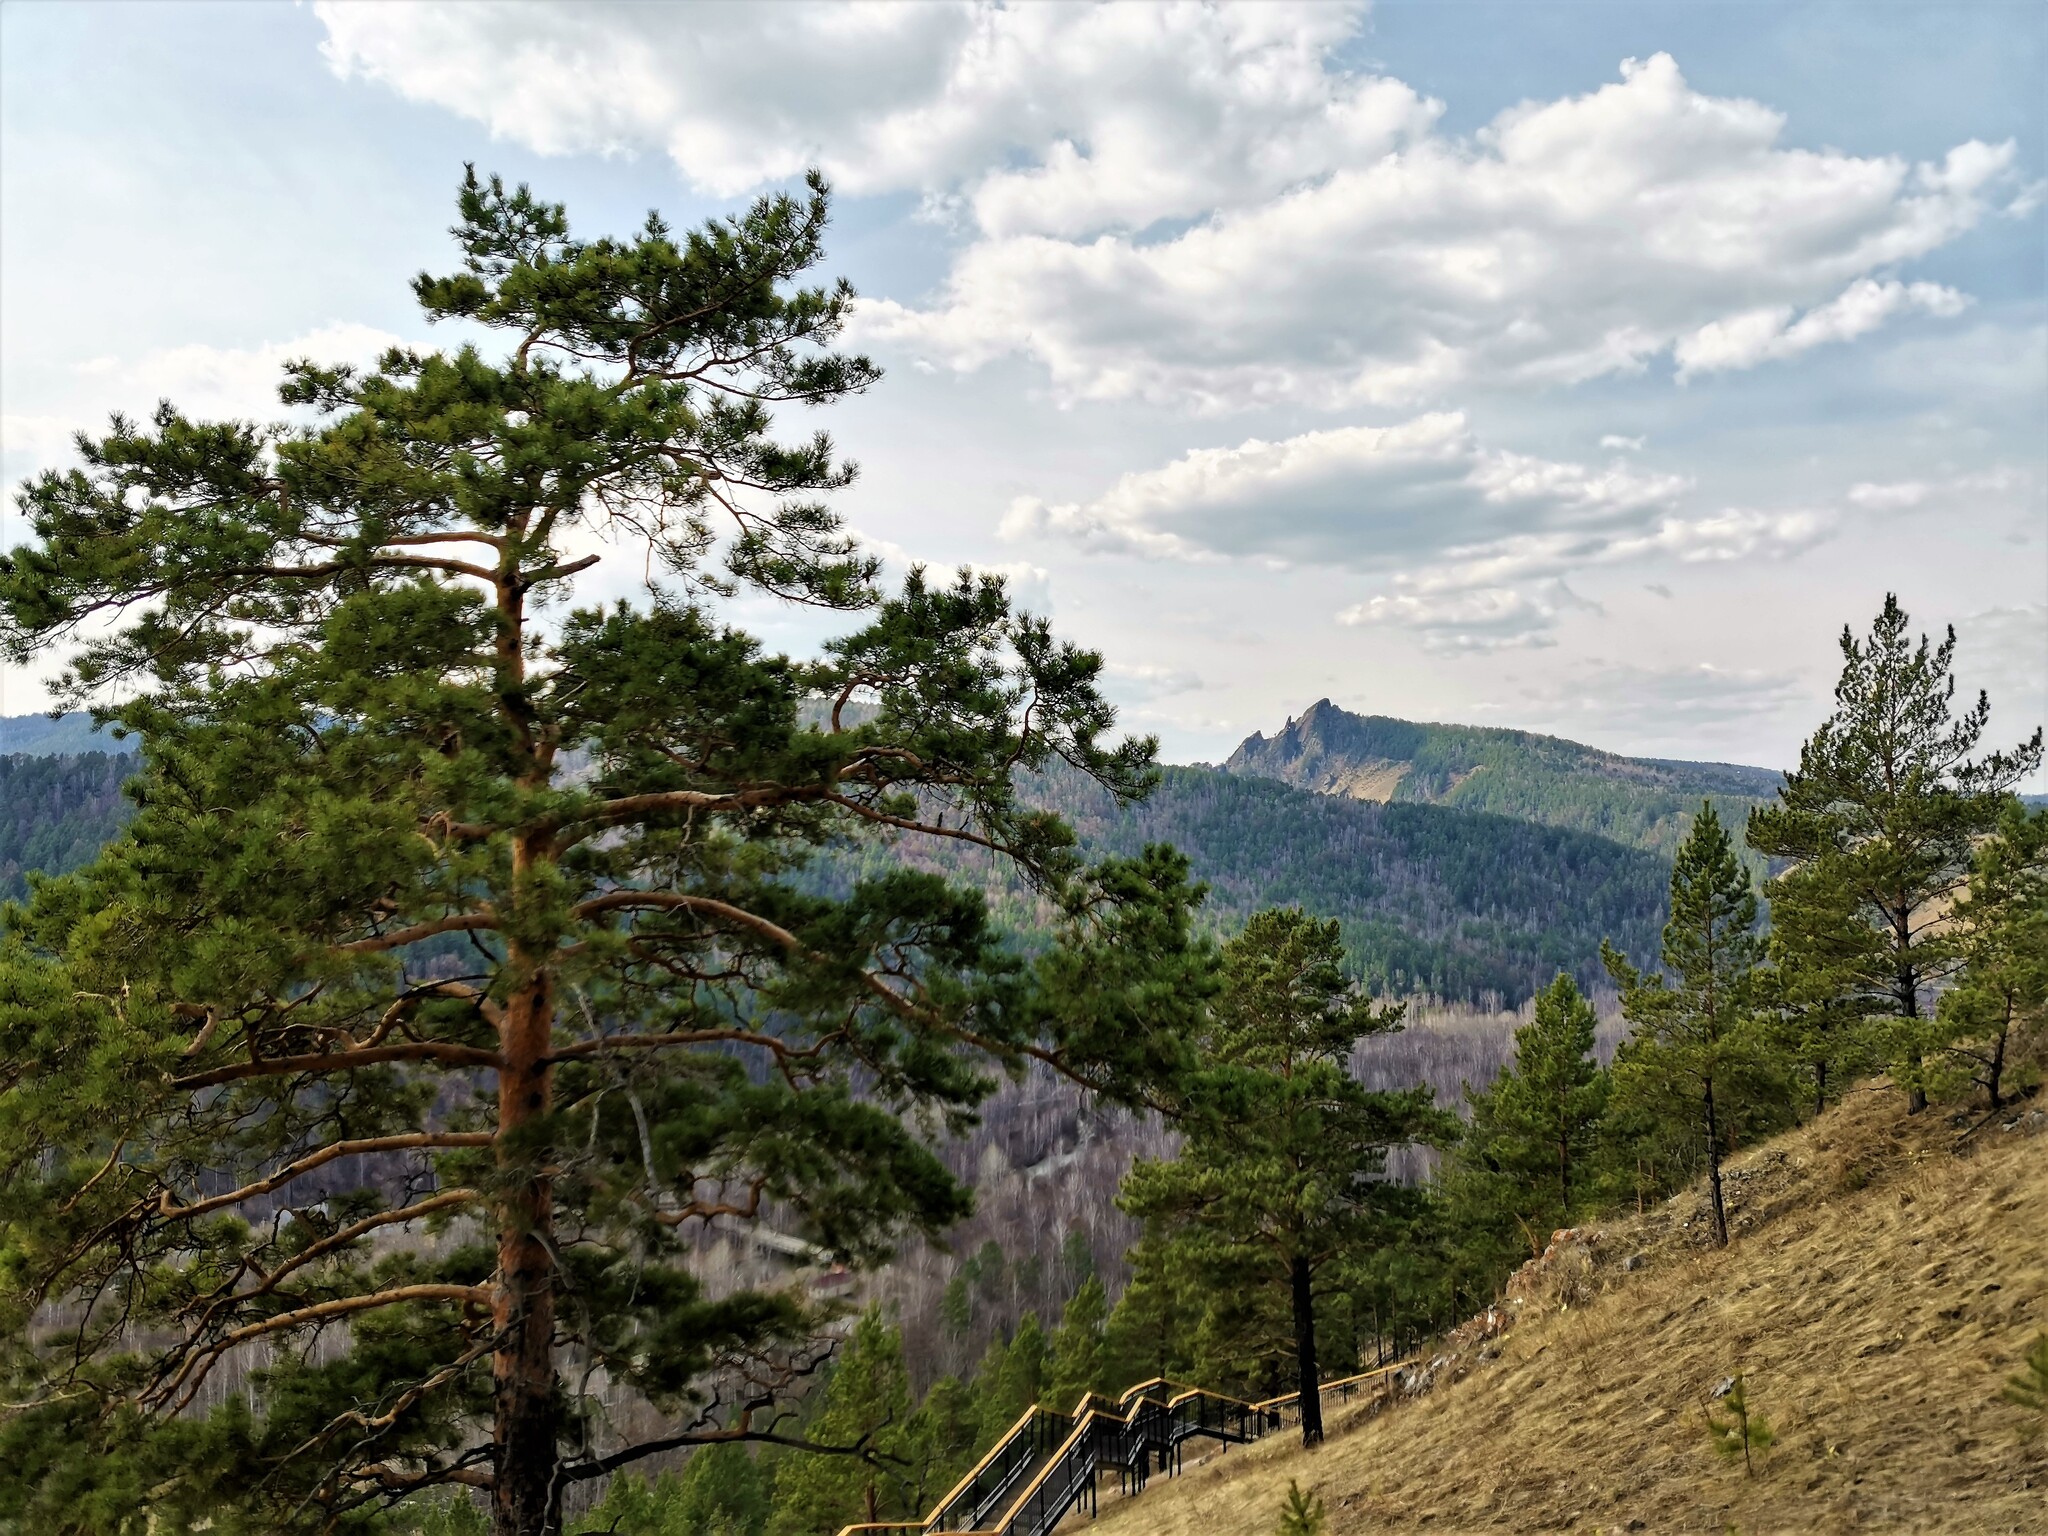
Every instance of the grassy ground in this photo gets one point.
(1883, 1283)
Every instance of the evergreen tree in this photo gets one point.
(1880, 819)
(1283, 1150)
(1301, 1514)
(1079, 1363)
(1698, 1056)
(451, 903)
(1743, 1432)
(1146, 1335)
(943, 1436)
(1526, 1164)
(722, 1491)
(866, 1411)
(1996, 1012)
(1011, 1379)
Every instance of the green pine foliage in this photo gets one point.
(1738, 1430)
(1277, 1179)
(1302, 1514)
(1700, 1065)
(458, 907)
(1991, 1026)
(1079, 1361)
(1531, 1158)
(2028, 1387)
(1880, 819)
(721, 1491)
(865, 1422)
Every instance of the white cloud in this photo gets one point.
(1363, 497)
(1743, 341)
(202, 381)
(1028, 118)
(1916, 495)
(1622, 444)
(1568, 240)
(1476, 542)
(1473, 619)
(1204, 205)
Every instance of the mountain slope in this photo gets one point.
(56, 812)
(1885, 1280)
(1640, 801)
(1431, 898)
(40, 736)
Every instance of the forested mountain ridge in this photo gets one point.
(57, 812)
(42, 736)
(1432, 899)
(1442, 900)
(1645, 802)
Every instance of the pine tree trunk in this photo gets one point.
(1995, 1069)
(1820, 1088)
(1310, 1382)
(527, 1496)
(1908, 994)
(1714, 1170)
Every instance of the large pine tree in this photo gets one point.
(465, 957)
(1280, 1172)
(1880, 819)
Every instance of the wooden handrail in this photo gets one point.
(1132, 1400)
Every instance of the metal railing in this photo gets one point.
(1049, 1462)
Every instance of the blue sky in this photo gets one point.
(1579, 367)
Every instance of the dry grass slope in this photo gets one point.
(1884, 1283)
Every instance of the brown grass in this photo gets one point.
(1882, 1285)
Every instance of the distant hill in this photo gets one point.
(40, 736)
(1435, 899)
(1644, 802)
(1432, 899)
(57, 812)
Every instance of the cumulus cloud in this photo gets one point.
(202, 381)
(1471, 619)
(1622, 444)
(1362, 497)
(1743, 341)
(1568, 240)
(1205, 206)
(1476, 542)
(1026, 118)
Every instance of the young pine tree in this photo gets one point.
(1283, 1149)
(1301, 1514)
(866, 1411)
(1879, 821)
(1737, 1429)
(452, 905)
(1998, 1007)
(1698, 1055)
(1526, 1162)
(1078, 1363)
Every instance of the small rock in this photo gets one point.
(1722, 1388)
(1634, 1262)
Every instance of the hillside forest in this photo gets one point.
(493, 1061)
